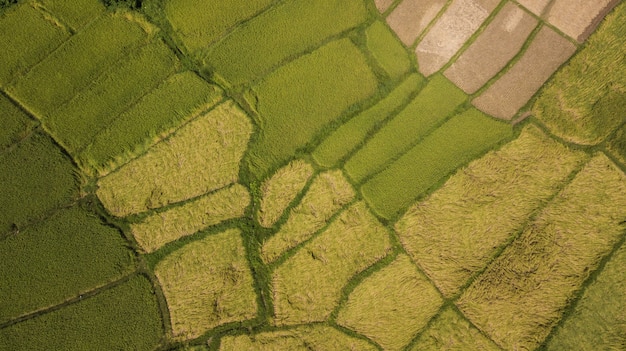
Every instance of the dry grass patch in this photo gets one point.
(411, 17)
(328, 193)
(207, 283)
(280, 189)
(522, 294)
(392, 305)
(307, 287)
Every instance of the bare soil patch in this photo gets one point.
(410, 18)
(535, 6)
(383, 5)
(579, 18)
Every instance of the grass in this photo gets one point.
(455, 231)
(351, 134)
(352, 243)
(328, 193)
(207, 283)
(586, 100)
(617, 144)
(289, 29)
(70, 253)
(461, 139)
(391, 305)
(178, 168)
(76, 13)
(522, 294)
(278, 191)
(15, 124)
(387, 50)
(159, 229)
(299, 99)
(434, 103)
(123, 317)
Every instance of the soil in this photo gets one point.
(383, 5)
(579, 18)
(535, 6)
(410, 18)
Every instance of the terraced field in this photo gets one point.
(313, 175)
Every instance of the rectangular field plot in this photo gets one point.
(411, 17)
(522, 294)
(458, 141)
(578, 18)
(535, 6)
(70, 253)
(76, 13)
(387, 50)
(15, 124)
(124, 317)
(454, 232)
(290, 28)
(431, 107)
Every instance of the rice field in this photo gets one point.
(16, 125)
(387, 50)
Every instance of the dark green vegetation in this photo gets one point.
(16, 125)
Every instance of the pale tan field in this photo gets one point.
(411, 17)
(535, 6)
(383, 5)
(579, 18)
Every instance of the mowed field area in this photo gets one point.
(283, 175)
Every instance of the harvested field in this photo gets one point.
(207, 283)
(16, 125)
(431, 107)
(458, 141)
(522, 294)
(387, 50)
(461, 19)
(178, 168)
(383, 5)
(493, 49)
(579, 18)
(353, 242)
(281, 189)
(512, 91)
(454, 232)
(328, 193)
(391, 305)
(75, 13)
(535, 6)
(161, 228)
(411, 17)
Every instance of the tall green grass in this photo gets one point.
(76, 13)
(617, 144)
(15, 124)
(387, 50)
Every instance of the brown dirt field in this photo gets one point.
(512, 91)
(410, 18)
(494, 48)
(535, 6)
(383, 5)
(579, 18)
(451, 31)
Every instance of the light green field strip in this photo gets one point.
(434, 103)
(461, 139)
(288, 29)
(200, 23)
(349, 135)
(387, 50)
(617, 144)
(454, 232)
(36, 178)
(121, 318)
(585, 101)
(76, 123)
(314, 337)
(522, 294)
(353, 242)
(15, 124)
(75, 13)
(52, 261)
(281, 189)
(161, 228)
(177, 100)
(599, 320)
(200, 157)
(23, 48)
(449, 332)
(207, 283)
(76, 63)
(300, 98)
(328, 193)
(391, 305)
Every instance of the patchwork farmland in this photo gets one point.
(312, 175)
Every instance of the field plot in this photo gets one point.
(392, 305)
(522, 294)
(58, 259)
(493, 49)
(535, 6)
(348, 136)
(411, 17)
(300, 98)
(458, 141)
(207, 283)
(453, 233)
(289, 29)
(585, 101)
(75, 13)
(512, 91)
(387, 50)
(178, 168)
(281, 189)
(328, 193)
(579, 18)
(461, 19)
(15, 124)
(383, 5)
(22, 49)
(120, 318)
(353, 242)
(315, 337)
(431, 107)
(161, 228)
